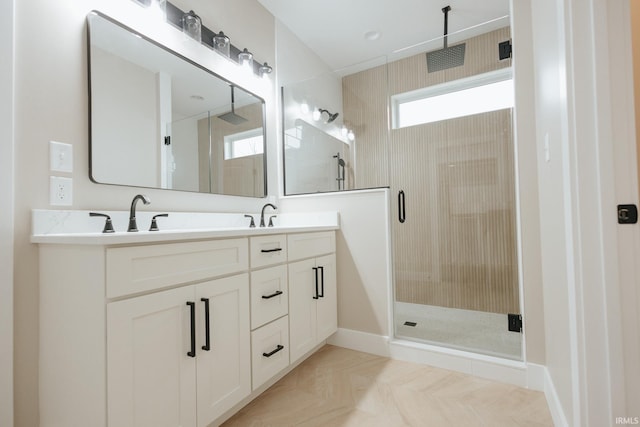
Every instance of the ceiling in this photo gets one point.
(335, 29)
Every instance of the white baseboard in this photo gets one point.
(527, 375)
(553, 401)
(361, 341)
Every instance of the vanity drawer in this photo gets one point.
(145, 268)
(307, 245)
(270, 348)
(269, 295)
(268, 250)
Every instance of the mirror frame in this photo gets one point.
(189, 61)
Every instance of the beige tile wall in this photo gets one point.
(457, 247)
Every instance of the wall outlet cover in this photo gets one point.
(60, 157)
(60, 191)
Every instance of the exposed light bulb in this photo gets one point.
(344, 131)
(351, 136)
(304, 108)
(316, 114)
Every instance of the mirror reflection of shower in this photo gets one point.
(341, 166)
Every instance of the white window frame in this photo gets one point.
(229, 141)
(468, 83)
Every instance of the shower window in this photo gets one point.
(243, 144)
(465, 97)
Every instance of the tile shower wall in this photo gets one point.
(461, 253)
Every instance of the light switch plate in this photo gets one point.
(60, 191)
(60, 157)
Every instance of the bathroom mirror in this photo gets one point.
(159, 120)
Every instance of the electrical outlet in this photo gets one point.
(60, 157)
(60, 191)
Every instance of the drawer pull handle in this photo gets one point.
(207, 330)
(315, 269)
(192, 309)
(275, 294)
(265, 251)
(278, 348)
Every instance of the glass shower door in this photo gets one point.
(454, 227)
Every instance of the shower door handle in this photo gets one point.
(402, 212)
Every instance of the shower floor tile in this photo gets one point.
(468, 330)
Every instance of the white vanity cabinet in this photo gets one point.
(178, 356)
(312, 291)
(145, 333)
(269, 307)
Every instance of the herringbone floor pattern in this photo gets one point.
(340, 387)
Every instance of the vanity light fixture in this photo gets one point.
(351, 136)
(316, 114)
(264, 70)
(344, 131)
(246, 58)
(192, 26)
(221, 43)
(304, 108)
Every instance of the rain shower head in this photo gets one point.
(447, 57)
(332, 117)
(231, 116)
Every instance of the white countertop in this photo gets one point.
(78, 228)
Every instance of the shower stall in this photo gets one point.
(435, 126)
(447, 153)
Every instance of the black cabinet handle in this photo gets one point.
(264, 251)
(402, 212)
(321, 295)
(275, 294)
(316, 271)
(207, 328)
(278, 348)
(192, 307)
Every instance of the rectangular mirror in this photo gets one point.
(159, 120)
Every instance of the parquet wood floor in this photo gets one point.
(340, 387)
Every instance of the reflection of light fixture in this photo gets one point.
(246, 58)
(221, 43)
(316, 114)
(264, 70)
(351, 136)
(304, 108)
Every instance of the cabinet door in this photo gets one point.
(327, 303)
(302, 308)
(224, 369)
(150, 377)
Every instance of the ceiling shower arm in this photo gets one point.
(446, 10)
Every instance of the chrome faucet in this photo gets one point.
(132, 213)
(262, 213)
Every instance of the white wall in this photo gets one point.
(363, 254)
(574, 55)
(115, 159)
(6, 213)
(51, 85)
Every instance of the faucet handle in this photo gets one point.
(252, 224)
(108, 225)
(271, 220)
(154, 223)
